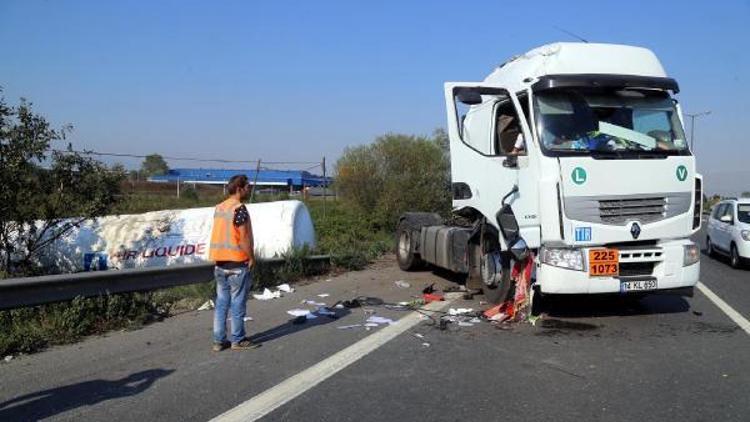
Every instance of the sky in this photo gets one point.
(296, 81)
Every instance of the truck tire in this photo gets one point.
(408, 259)
(498, 293)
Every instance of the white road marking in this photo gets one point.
(731, 313)
(275, 397)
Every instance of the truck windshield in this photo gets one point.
(617, 123)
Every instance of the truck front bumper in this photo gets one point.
(668, 271)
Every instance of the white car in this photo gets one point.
(728, 230)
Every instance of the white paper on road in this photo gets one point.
(459, 311)
(323, 295)
(313, 303)
(268, 295)
(301, 312)
(286, 288)
(247, 318)
(380, 320)
(402, 284)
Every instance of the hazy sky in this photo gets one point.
(296, 81)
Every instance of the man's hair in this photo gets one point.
(236, 182)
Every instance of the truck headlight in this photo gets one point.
(745, 235)
(691, 256)
(563, 257)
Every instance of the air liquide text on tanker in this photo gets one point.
(171, 237)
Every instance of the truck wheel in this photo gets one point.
(408, 259)
(496, 290)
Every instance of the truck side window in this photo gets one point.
(509, 138)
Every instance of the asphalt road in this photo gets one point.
(664, 358)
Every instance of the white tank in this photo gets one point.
(171, 237)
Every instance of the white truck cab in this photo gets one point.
(574, 152)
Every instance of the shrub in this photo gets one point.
(396, 173)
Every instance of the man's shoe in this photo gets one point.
(218, 347)
(244, 344)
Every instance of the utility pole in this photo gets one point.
(692, 125)
(255, 181)
(325, 187)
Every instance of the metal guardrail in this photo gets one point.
(29, 291)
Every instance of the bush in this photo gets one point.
(396, 173)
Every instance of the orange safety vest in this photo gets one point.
(225, 236)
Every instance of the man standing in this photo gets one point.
(232, 250)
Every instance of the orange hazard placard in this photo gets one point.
(604, 262)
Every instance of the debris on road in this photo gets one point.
(8, 358)
(323, 295)
(348, 327)
(402, 284)
(286, 288)
(432, 297)
(380, 320)
(207, 306)
(247, 318)
(313, 303)
(301, 313)
(268, 295)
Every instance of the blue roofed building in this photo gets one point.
(290, 179)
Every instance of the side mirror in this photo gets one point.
(726, 219)
(506, 220)
(468, 96)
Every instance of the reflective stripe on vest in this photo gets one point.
(224, 235)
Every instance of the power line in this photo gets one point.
(204, 160)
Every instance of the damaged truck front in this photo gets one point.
(572, 156)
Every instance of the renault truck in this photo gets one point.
(573, 156)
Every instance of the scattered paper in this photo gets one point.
(8, 358)
(323, 295)
(425, 344)
(247, 318)
(371, 324)
(267, 295)
(207, 306)
(301, 312)
(465, 324)
(459, 311)
(402, 284)
(285, 288)
(417, 335)
(329, 279)
(380, 320)
(314, 303)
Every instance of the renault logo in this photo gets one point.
(635, 230)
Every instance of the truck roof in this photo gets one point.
(575, 58)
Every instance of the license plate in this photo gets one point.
(637, 285)
(604, 262)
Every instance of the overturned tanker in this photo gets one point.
(171, 237)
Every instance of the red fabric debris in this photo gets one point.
(432, 297)
(514, 309)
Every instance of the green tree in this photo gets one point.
(394, 174)
(154, 165)
(44, 195)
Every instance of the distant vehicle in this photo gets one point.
(729, 231)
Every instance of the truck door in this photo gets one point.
(491, 152)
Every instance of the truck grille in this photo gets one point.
(617, 210)
(620, 211)
(629, 269)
